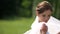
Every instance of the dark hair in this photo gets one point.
(44, 6)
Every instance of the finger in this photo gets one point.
(58, 33)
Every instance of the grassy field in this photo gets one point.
(18, 26)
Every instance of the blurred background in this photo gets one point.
(16, 16)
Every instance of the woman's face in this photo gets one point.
(44, 17)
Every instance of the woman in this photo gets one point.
(44, 22)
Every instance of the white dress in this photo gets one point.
(53, 25)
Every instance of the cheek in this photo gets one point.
(41, 18)
(46, 19)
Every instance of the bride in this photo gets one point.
(44, 22)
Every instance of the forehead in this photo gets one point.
(47, 12)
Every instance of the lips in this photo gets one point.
(45, 20)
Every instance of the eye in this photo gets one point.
(43, 15)
(49, 15)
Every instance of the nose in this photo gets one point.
(46, 19)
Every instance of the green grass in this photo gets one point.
(15, 26)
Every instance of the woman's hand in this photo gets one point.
(43, 29)
(58, 33)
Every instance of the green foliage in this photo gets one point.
(12, 8)
(26, 3)
(24, 8)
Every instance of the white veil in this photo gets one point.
(52, 19)
(52, 23)
(53, 26)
